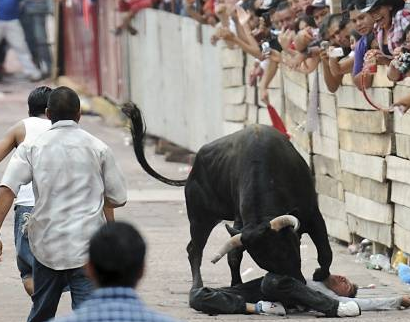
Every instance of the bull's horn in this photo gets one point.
(283, 221)
(231, 244)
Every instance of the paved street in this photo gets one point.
(159, 213)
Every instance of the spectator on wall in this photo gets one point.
(390, 22)
(363, 23)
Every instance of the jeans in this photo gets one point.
(275, 288)
(25, 258)
(226, 300)
(12, 32)
(33, 20)
(48, 287)
(3, 51)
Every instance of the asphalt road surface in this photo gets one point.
(159, 213)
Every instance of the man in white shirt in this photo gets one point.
(26, 131)
(73, 175)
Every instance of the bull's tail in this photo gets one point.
(138, 133)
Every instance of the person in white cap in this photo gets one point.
(319, 9)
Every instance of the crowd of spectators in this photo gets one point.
(303, 34)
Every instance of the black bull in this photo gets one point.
(249, 177)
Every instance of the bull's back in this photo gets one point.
(252, 163)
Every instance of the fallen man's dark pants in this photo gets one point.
(275, 288)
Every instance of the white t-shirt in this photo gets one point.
(34, 127)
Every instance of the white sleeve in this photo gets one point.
(18, 171)
(115, 189)
(375, 304)
(366, 304)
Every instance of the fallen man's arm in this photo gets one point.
(366, 304)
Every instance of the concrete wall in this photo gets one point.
(175, 79)
(192, 92)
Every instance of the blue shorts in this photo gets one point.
(25, 257)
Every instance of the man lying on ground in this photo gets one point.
(335, 296)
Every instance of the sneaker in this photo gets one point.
(350, 308)
(270, 308)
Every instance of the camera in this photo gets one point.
(336, 52)
(266, 48)
(315, 33)
(325, 45)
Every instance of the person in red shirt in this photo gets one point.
(131, 7)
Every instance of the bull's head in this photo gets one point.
(274, 245)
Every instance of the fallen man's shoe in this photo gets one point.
(270, 308)
(347, 309)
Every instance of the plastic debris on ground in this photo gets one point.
(404, 272)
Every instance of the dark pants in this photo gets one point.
(48, 286)
(275, 288)
(33, 19)
(3, 51)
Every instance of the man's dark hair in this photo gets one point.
(335, 18)
(37, 100)
(324, 26)
(307, 19)
(360, 4)
(117, 254)
(353, 293)
(395, 4)
(283, 5)
(356, 5)
(63, 104)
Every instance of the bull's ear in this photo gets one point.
(232, 231)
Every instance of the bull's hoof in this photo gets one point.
(320, 274)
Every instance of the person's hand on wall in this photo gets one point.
(286, 38)
(225, 34)
(381, 59)
(211, 20)
(324, 55)
(265, 96)
(303, 39)
(256, 72)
